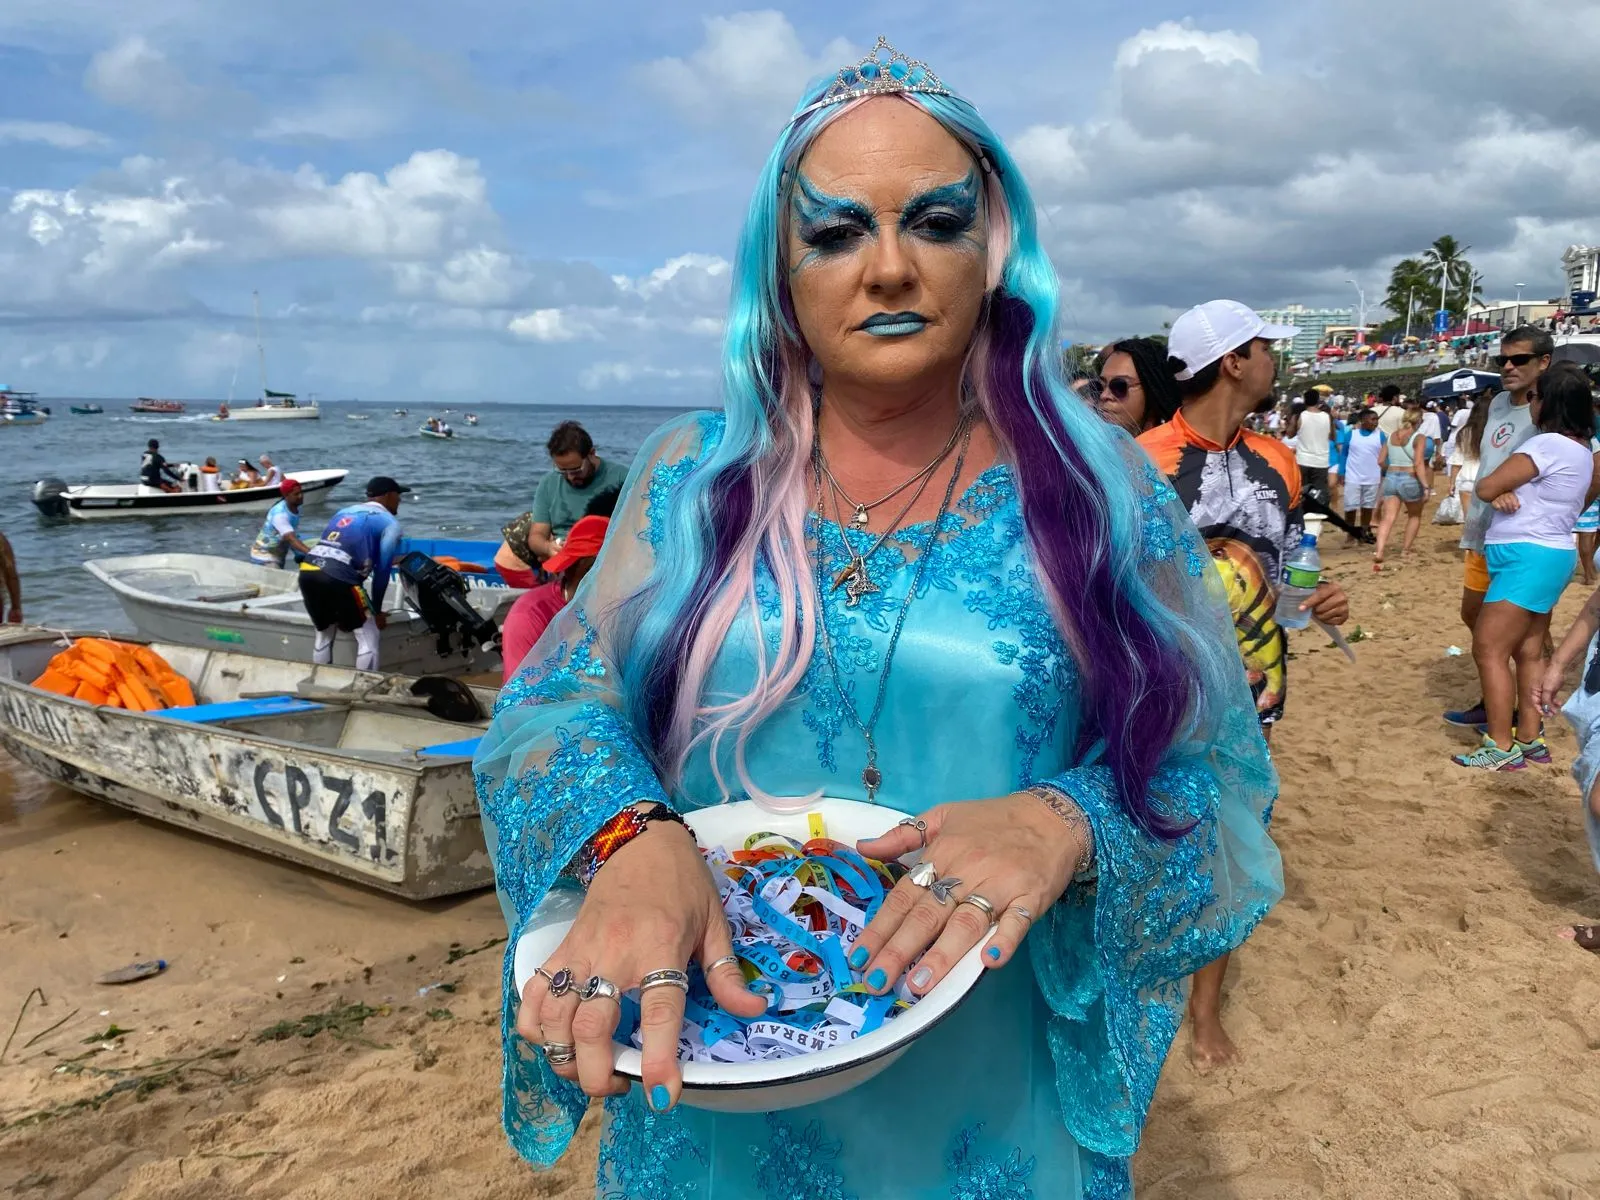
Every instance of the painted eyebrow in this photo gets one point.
(813, 205)
(961, 195)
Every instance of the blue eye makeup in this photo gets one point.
(828, 224)
(946, 213)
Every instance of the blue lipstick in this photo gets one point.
(898, 324)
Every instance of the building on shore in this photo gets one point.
(1581, 265)
(1313, 325)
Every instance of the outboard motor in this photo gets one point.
(440, 595)
(49, 497)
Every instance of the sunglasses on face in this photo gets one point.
(1117, 387)
(1513, 360)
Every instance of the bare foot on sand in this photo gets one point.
(1210, 1046)
(1587, 936)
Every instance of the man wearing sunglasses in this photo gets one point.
(579, 475)
(1524, 355)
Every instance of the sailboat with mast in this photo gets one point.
(273, 406)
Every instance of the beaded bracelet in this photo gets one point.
(1064, 807)
(614, 835)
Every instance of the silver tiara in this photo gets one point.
(884, 71)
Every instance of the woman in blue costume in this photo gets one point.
(905, 564)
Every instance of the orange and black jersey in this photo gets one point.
(1245, 500)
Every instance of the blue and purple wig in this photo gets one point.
(1140, 664)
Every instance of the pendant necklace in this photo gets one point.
(855, 579)
(871, 775)
(863, 509)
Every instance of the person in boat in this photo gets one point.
(271, 474)
(210, 476)
(280, 532)
(156, 472)
(345, 576)
(579, 476)
(248, 476)
(11, 610)
(531, 615)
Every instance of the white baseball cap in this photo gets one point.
(1208, 331)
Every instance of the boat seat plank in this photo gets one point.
(233, 710)
(465, 748)
(247, 592)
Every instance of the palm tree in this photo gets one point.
(1448, 269)
(1408, 290)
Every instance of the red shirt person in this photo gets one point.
(531, 615)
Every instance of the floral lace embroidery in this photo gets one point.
(560, 675)
(1104, 1178)
(666, 477)
(1160, 542)
(980, 1177)
(798, 1164)
(638, 1151)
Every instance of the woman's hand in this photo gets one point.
(651, 907)
(1506, 502)
(1011, 851)
(1328, 604)
(1547, 689)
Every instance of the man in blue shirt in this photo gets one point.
(280, 532)
(358, 545)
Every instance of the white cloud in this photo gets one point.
(749, 70)
(134, 74)
(549, 325)
(617, 374)
(1219, 49)
(51, 133)
(687, 279)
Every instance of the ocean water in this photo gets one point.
(465, 488)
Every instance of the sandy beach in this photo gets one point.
(1412, 1025)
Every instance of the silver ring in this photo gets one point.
(559, 1054)
(922, 875)
(942, 888)
(979, 903)
(669, 977)
(920, 826)
(562, 982)
(548, 977)
(599, 989)
(1022, 912)
(726, 960)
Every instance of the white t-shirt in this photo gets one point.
(1549, 503)
(1390, 418)
(1315, 427)
(1508, 426)
(1362, 461)
(272, 475)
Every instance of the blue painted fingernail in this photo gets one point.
(858, 957)
(994, 953)
(877, 979)
(660, 1098)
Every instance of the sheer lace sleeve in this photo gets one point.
(1112, 959)
(560, 758)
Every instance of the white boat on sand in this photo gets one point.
(364, 785)
(100, 501)
(203, 600)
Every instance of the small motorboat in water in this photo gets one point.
(87, 410)
(21, 408)
(355, 416)
(436, 430)
(204, 600)
(341, 771)
(472, 418)
(99, 501)
(156, 408)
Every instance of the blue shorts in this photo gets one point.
(1527, 574)
(1407, 487)
(1589, 519)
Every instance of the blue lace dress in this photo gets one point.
(1039, 1084)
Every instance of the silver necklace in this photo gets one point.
(871, 775)
(855, 578)
(864, 508)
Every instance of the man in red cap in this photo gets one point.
(280, 531)
(533, 612)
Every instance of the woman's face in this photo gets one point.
(887, 247)
(1121, 394)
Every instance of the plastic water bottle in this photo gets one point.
(1302, 572)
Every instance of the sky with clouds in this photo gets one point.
(495, 201)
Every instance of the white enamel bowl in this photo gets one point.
(788, 1082)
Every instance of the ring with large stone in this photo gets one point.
(941, 888)
(922, 875)
(920, 826)
(599, 989)
(558, 1054)
(979, 903)
(562, 982)
(668, 977)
